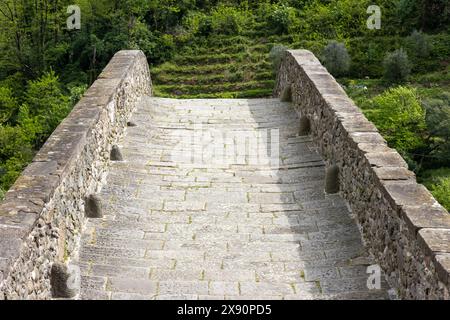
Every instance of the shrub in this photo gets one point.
(205, 27)
(334, 19)
(228, 20)
(44, 107)
(399, 116)
(8, 104)
(396, 66)
(76, 92)
(192, 20)
(336, 58)
(419, 44)
(441, 191)
(276, 55)
(280, 18)
(438, 124)
(438, 182)
(15, 154)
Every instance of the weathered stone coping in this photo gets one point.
(41, 215)
(403, 226)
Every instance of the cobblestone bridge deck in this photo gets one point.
(183, 227)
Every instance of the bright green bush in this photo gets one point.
(45, 106)
(336, 58)
(280, 18)
(441, 191)
(397, 67)
(76, 92)
(229, 20)
(157, 47)
(438, 182)
(399, 116)
(333, 19)
(192, 21)
(8, 104)
(15, 153)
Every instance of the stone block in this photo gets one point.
(386, 159)
(406, 193)
(394, 173)
(443, 267)
(426, 217)
(435, 240)
(128, 285)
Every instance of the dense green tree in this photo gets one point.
(8, 105)
(400, 117)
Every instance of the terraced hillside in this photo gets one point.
(223, 67)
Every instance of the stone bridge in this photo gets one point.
(295, 197)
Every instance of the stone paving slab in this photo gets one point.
(177, 226)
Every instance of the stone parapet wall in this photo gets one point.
(403, 226)
(42, 215)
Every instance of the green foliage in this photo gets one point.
(8, 104)
(15, 153)
(276, 55)
(438, 123)
(399, 116)
(280, 17)
(428, 14)
(336, 58)
(158, 48)
(438, 182)
(334, 19)
(397, 67)
(420, 44)
(229, 20)
(197, 23)
(76, 92)
(44, 107)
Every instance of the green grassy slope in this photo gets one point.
(223, 67)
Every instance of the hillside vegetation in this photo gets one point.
(399, 74)
(225, 67)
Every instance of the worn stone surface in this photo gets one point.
(221, 199)
(181, 226)
(42, 215)
(403, 226)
